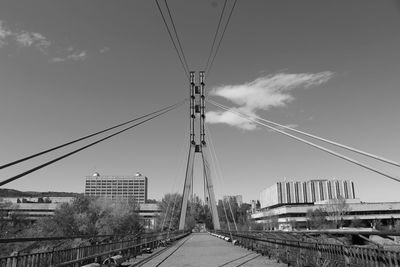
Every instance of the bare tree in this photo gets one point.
(316, 219)
(336, 209)
(4, 223)
(170, 207)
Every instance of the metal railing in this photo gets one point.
(295, 251)
(91, 253)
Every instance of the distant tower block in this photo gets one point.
(116, 188)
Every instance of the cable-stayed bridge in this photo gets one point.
(219, 247)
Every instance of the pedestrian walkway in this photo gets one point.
(206, 250)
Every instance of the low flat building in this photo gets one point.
(34, 211)
(302, 192)
(29, 211)
(284, 207)
(36, 199)
(148, 213)
(287, 215)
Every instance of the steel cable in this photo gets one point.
(222, 37)
(172, 40)
(177, 36)
(216, 34)
(324, 140)
(86, 146)
(218, 169)
(366, 166)
(80, 139)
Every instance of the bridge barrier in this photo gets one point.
(297, 252)
(92, 265)
(91, 254)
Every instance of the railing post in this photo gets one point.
(15, 259)
(300, 261)
(346, 256)
(78, 250)
(51, 257)
(96, 251)
(319, 253)
(287, 254)
(380, 257)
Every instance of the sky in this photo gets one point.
(70, 68)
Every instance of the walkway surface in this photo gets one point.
(206, 250)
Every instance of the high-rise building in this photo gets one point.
(117, 187)
(306, 192)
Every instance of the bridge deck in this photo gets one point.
(206, 250)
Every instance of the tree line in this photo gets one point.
(83, 216)
(229, 213)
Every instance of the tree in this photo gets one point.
(336, 209)
(376, 224)
(170, 207)
(243, 217)
(253, 226)
(274, 222)
(240, 214)
(87, 216)
(208, 218)
(316, 219)
(224, 214)
(357, 223)
(64, 220)
(396, 226)
(4, 223)
(119, 218)
(197, 213)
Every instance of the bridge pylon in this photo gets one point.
(197, 145)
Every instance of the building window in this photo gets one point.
(346, 192)
(305, 192)
(337, 189)
(321, 191)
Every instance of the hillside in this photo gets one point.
(4, 192)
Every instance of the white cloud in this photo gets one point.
(23, 38)
(38, 41)
(78, 55)
(104, 49)
(4, 33)
(262, 93)
(231, 118)
(4, 30)
(35, 39)
(75, 56)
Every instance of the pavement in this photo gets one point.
(202, 249)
